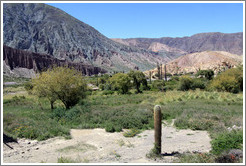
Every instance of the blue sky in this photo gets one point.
(130, 20)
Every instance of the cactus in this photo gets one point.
(157, 126)
(165, 72)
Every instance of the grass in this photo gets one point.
(33, 116)
(197, 158)
(67, 160)
(27, 116)
(81, 147)
(131, 133)
(121, 143)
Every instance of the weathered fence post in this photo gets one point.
(157, 125)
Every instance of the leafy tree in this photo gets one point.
(120, 82)
(231, 81)
(138, 78)
(60, 83)
(207, 73)
(185, 83)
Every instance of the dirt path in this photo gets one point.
(98, 146)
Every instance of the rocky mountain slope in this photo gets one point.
(41, 28)
(229, 42)
(26, 64)
(191, 63)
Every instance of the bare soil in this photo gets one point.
(99, 146)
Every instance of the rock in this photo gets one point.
(15, 58)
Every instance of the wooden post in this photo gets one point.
(157, 126)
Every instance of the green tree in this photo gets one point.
(230, 81)
(120, 82)
(185, 83)
(138, 78)
(60, 83)
(209, 74)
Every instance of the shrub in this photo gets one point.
(198, 83)
(229, 81)
(107, 92)
(207, 73)
(158, 85)
(197, 158)
(227, 141)
(28, 87)
(110, 127)
(131, 133)
(185, 83)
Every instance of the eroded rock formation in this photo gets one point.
(15, 58)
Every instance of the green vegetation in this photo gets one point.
(197, 158)
(120, 82)
(226, 141)
(195, 103)
(81, 147)
(60, 83)
(138, 78)
(229, 81)
(67, 160)
(208, 74)
(131, 133)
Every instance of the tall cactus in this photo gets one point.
(157, 126)
(165, 72)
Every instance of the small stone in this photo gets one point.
(36, 148)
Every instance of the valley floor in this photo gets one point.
(99, 146)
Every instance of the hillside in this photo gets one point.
(191, 63)
(229, 42)
(21, 63)
(40, 28)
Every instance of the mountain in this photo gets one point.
(20, 63)
(191, 63)
(43, 29)
(229, 42)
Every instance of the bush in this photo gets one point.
(158, 85)
(131, 133)
(227, 141)
(185, 83)
(198, 83)
(207, 73)
(229, 81)
(110, 127)
(28, 87)
(107, 92)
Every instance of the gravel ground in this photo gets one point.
(98, 146)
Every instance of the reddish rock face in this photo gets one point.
(15, 58)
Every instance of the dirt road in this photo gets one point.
(98, 146)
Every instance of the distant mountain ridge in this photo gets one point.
(214, 41)
(44, 29)
(191, 63)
